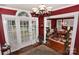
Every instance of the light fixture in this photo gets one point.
(42, 9)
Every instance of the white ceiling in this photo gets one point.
(30, 6)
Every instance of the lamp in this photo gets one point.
(42, 9)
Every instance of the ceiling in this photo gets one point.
(30, 6)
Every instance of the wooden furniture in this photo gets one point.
(56, 45)
(5, 48)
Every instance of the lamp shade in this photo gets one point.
(42, 7)
(34, 9)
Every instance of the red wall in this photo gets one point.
(8, 12)
(41, 25)
(66, 10)
(2, 39)
(53, 23)
(62, 11)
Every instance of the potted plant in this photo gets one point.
(66, 43)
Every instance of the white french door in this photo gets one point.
(35, 29)
(24, 29)
(11, 33)
(20, 31)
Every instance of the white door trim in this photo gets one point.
(76, 15)
(45, 22)
(37, 31)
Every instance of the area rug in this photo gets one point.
(40, 50)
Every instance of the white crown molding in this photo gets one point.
(11, 8)
(64, 7)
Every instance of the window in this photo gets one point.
(23, 14)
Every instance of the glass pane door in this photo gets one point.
(24, 29)
(11, 28)
(34, 29)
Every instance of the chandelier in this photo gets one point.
(42, 9)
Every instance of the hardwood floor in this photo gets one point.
(36, 49)
(25, 49)
(57, 46)
(40, 50)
